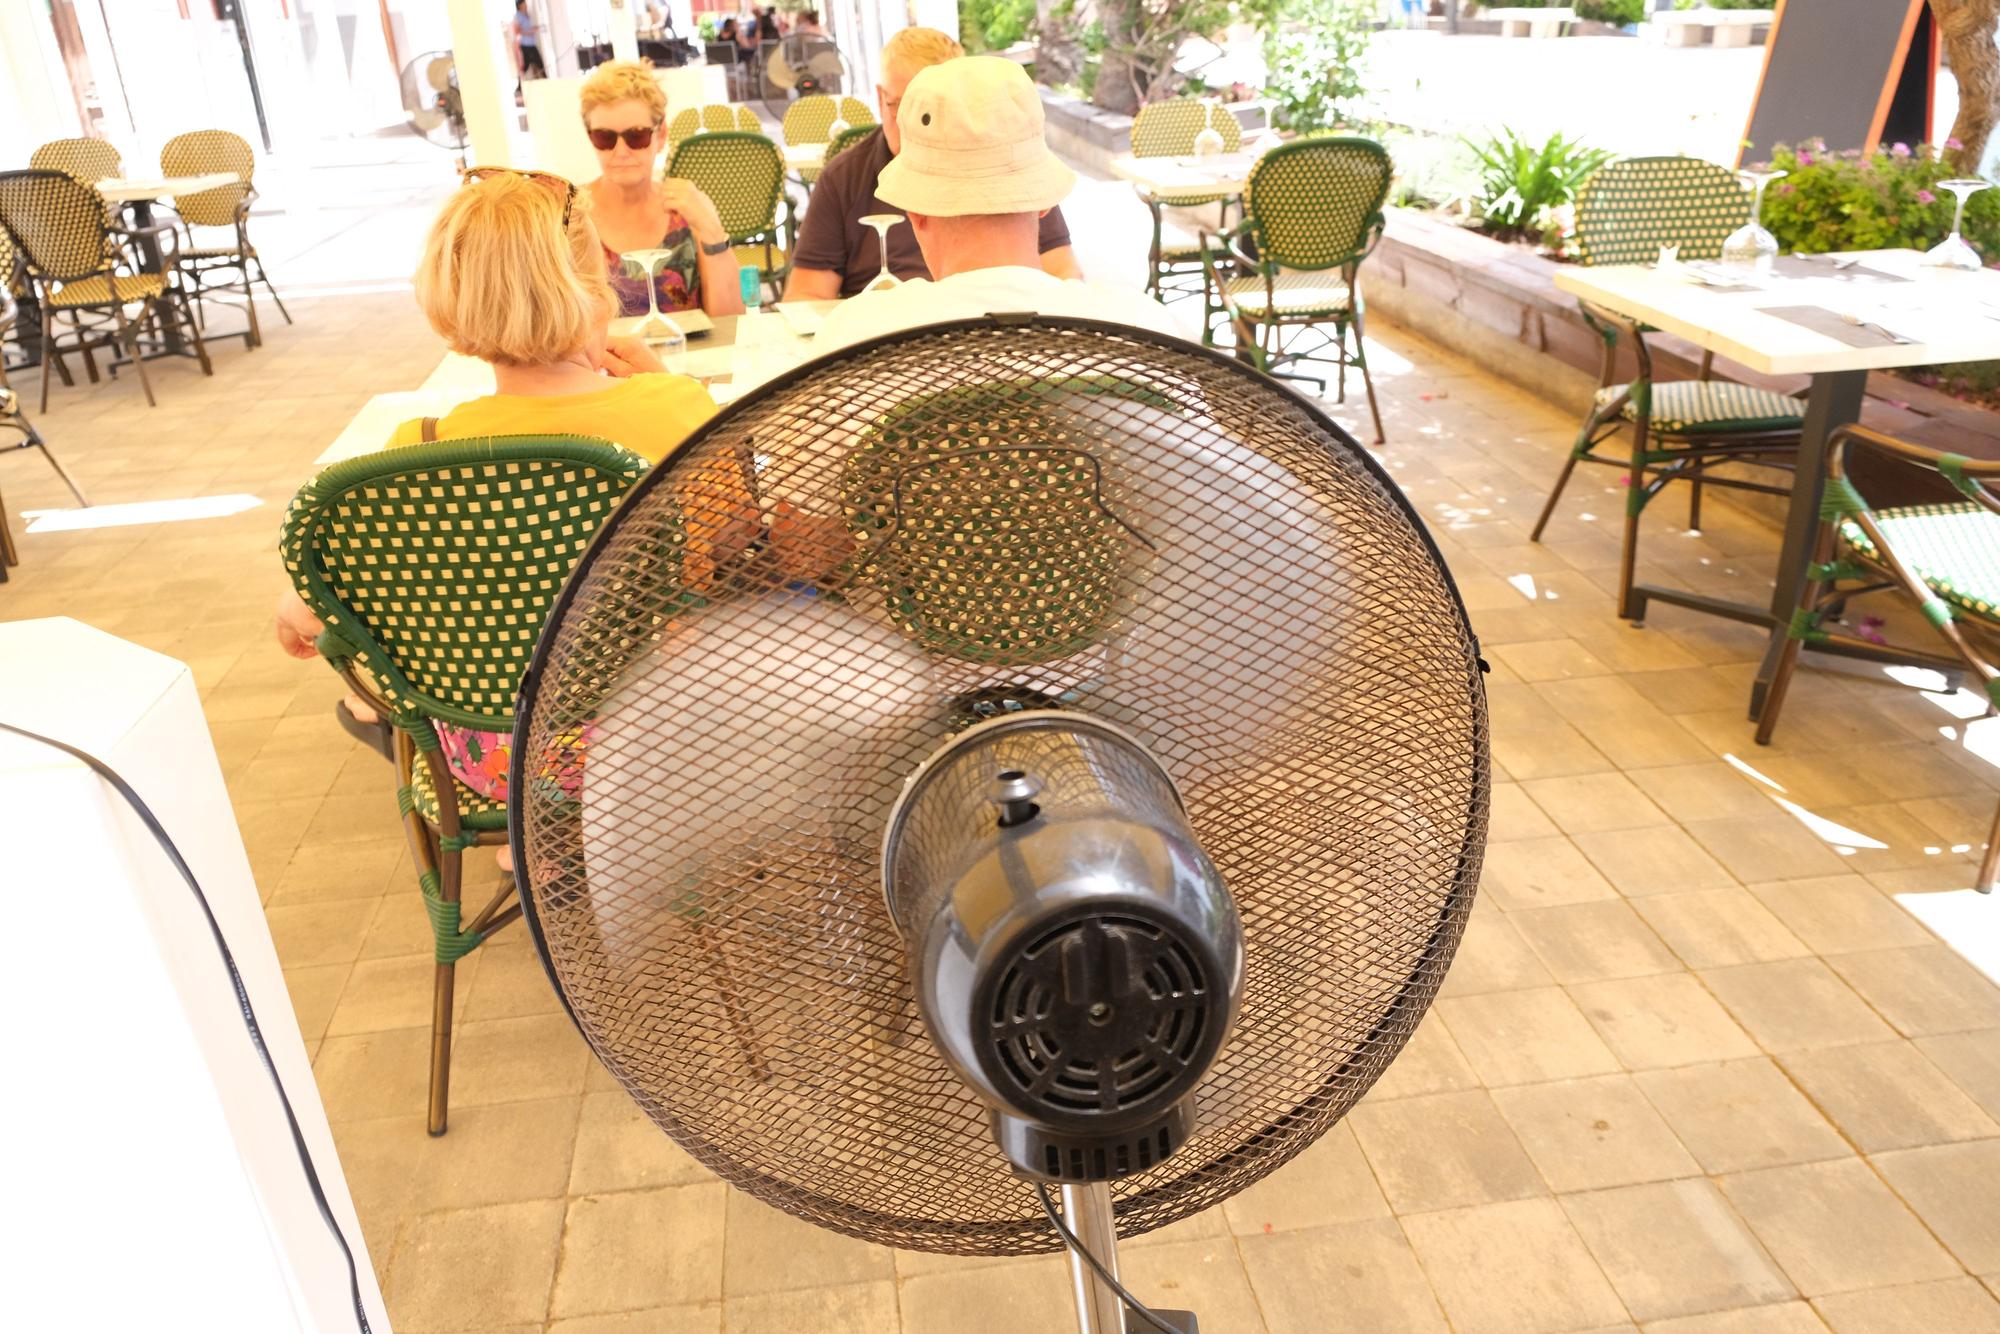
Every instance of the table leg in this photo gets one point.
(1833, 402)
(152, 261)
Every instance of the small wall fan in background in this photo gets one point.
(431, 97)
(1006, 758)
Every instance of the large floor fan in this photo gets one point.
(1011, 758)
(432, 99)
(802, 64)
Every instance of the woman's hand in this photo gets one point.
(685, 198)
(297, 626)
(625, 355)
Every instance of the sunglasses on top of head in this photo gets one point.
(606, 140)
(562, 187)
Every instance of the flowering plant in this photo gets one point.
(1886, 199)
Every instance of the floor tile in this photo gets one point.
(1512, 1267)
(1795, 1005)
(1926, 990)
(1492, 957)
(619, 1148)
(1675, 1248)
(1655, 860)
(1002, 1298)
(1765, 847)
(1594, 803)
(1718, 928)
(1887, 1095)
(1360, 1278)
(499, 1154)
(315, 990)
(1515, 815)
(473, 1269)
(1443, 1151)
(1655, 1022)
(659, 1320)
(854, 1308)
(1525, 1037)
(1205, 1277)
(1738, 1115)
(507, 1060)
(769, 1251)
(1834, 1227)
(1550, 660)
(1951, 1188)
(1836, 914)
(1958, 1305)
(374, 1074)
(1593, 942)
(1429, 1063)
(641, 1248)
(1329, 1183)
(1587, 1134)
(1541, 873)
(1784, 1318)
(1973, 1062)
(396, 993)
(1710, 790)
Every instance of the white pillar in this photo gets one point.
(485, 68)
(624, 31)
(35, 100)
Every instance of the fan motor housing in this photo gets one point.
(1076, 957)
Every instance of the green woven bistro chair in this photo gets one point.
(710, 118)
(1681, 429)
(1312, 210)
(1168, 129)
(847, 139)
(744, 174)
(810, 121)
(74, 261)
(1943, 556)
(433, 567)
(13, 421)
(196, 153)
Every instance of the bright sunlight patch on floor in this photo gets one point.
(142, 511)
(1964, 918)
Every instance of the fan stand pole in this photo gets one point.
(1087, 1210)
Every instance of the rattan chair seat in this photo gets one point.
(474, 811)
(1712, 407)
(1954, 549)
(96, 290)
(1294, 293)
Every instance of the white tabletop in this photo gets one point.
(1225, 173)
(804, 155)
(1952, 315)
(130, 189)
(731, 361)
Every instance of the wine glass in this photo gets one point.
(1750, 246)
(882, 222)
(1955, 252)
(1209, 142)
(641, 264)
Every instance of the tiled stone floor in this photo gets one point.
(1697, 1068)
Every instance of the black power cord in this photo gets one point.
(1132, 1304)
(145, 813)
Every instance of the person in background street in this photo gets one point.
(976, 179)
(837, 255)
(527, 48)
(767, 24)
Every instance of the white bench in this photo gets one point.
(1522, 22)
(1722, 27)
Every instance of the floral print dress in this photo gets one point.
(676, 277)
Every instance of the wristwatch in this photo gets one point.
(721, 247)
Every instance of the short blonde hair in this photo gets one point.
(913, 49)
(620, 81)
(501, 281)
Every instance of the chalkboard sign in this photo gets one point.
(1855, 73)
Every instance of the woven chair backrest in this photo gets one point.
(86, 159)
(848, 138)
(741, 174)
(436, 564)
(810, 119)
(201, 151)
(56, 220)
(1312, 202)
(1167, 129)
(1630, 208)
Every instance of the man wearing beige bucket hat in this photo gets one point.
(974, 177)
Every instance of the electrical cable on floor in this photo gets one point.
(1132, 1304)
(145, 813)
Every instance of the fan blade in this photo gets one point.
(427, 118)
(438, 74)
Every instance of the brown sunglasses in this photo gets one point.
(548, 178)
(606, 140)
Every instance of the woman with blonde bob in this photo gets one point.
(625, 118)
(513, 274)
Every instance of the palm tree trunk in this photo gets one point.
(1967, 27)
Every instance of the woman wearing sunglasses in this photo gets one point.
(625, 113)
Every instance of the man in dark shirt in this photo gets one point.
(837, 255)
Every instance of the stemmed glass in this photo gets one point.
(1750, 246)
(641, 264)
(1955, 252)
(882, 222)
(1209, 141)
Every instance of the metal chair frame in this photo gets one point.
(1841, 569)
(1168, 129)
(218, 150)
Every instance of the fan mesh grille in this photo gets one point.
(713, 736)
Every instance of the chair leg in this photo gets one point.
(1340, 373)
(1694, 502)
(256, 338)
(128, 337)
(1989, 864)
(9, 554)
(62, 472)
(442, 992)
(48, 351)
(1635, 506)
(1367, 379)
(265, 278)
(187, 314)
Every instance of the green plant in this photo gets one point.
(1521, 185)
(1867, 201)
(994, 25)
(704, 26)
(1619, 12)
(1725, 4)
(1315, 56)
(1142, 41)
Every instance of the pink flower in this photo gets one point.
(1899, 150)
(1784, 187)
(1926, 197)
(1805, 159)
(1953, 143)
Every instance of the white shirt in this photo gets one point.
(978, 292)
